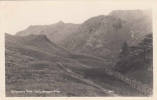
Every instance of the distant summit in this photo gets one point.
(55, 32)
(35, 42)
(104, 35)
(60, 22)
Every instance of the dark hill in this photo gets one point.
(137, 62)
(36, 42)
(55, 32)
(103, 35)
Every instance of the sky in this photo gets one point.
(18, 16)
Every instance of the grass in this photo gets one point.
(28, 68)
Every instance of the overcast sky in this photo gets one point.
(18, 16)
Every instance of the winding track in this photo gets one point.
(79, 77)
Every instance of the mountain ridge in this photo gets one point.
(53, 31)
(101, 34)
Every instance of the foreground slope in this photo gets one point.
(30, 66)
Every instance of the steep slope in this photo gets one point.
(30, 66)
(140, 23)
(138, 63)
(55, 32)
(103, 35)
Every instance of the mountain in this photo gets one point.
(83, 59)
(55, 32)
(103, 35)
(100, 36)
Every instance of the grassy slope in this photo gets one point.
(33, 69)
(25, 72)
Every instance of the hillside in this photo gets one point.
(103, 35)
(36, 42)
(137, 63)
(55, 32)
(35, 68)
(32, 66)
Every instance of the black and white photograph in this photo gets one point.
(77, 50)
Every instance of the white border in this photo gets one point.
(120, 3)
